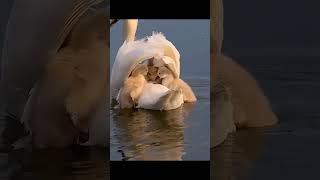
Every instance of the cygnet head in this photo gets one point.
(140, 69)
(164, 72)
(158, 61)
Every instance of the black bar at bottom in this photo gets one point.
(160, 170)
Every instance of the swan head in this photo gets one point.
(113, 22)
(129, 29)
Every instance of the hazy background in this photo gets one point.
(85, 162)
(279, 43)
(5, 6)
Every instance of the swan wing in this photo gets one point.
(151, 95)
(133, 52)
(129, 54)
(167, 47)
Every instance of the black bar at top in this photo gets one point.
(159, 9)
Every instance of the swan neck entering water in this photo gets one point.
(129, 29)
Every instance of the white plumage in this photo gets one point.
(134, 52)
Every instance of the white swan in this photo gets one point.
(155, 92)
(133, 52)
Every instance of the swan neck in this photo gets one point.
(129, 29)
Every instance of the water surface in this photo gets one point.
(290, 149)
(278, 42)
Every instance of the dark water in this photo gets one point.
(289, 150)
(4, 15)
(179, 134)
(73, 163)
(272, 23)
(278, 42)
(20, 161)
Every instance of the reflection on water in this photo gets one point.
(181, 133)
(287, 68)
(289, 150)
(237, 155)
(20, 161)
(150, 135)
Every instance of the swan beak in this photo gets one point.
(113, 21)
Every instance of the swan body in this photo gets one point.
(133, 52)
(159, 97)
(168, 80)
(151, 95)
